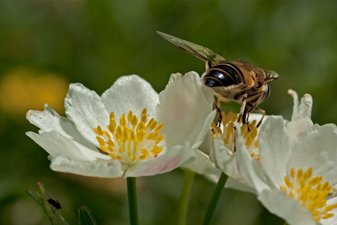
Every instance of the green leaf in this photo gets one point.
(85, 217)
(49, 205)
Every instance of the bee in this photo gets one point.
(236, 81)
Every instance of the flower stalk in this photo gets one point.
(185, 194)
(132, 198)
(215, 198)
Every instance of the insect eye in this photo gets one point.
(266, 92)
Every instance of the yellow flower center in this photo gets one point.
(310, 192)
(248, 131)
(132, 140)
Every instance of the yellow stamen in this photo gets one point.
(310, 192)
(134, 120)
(100, 140)
(132, 140)
(112, 115)
(112, 125)
(130, 114)
(292, 173)
(98, 130)
(227, 133)
(122, 120)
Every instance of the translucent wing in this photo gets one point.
(198, 51)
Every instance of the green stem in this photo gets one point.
(132, 197)
(215, 198)
(185, 194)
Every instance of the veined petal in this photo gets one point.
(171, 159)
(130, 92)
(203, 166)
(316, 148)
(275, 148)
(100, 168)
(58, 145)
(186, 110)
(249, 168)
(280, 204)
(225, 159)
(48, 120)
(85, 108)
(55, 144)
(297, 126)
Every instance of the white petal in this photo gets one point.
(293, 94)
(49, 120)
(100, 168)
(85, 108)
(225, 159)
(206, 145)
(58, 145)
(256, 117)
(130, 93)
(236, 185)
(249, 168)
(316, 148)
(174, 77)
(204, 166)
(171, 159)
(305, 107)
(297, 126)
(289, 209)
(275, 148)
(185, 109)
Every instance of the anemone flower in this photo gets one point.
(129, 131)
(294, 176)
(224, 148)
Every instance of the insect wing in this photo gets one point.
(198, 51)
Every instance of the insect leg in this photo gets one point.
(234, 139)
(257, 109)
(260, 111)
(242, 113)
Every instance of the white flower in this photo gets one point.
(129, 131)
(297, 172)
(223, 153)
(202, 164)
(301, 116)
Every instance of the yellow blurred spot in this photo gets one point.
(22, 89)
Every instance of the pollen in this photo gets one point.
(310, 191)
(227, 133)
(133, 140)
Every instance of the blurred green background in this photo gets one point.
(47, 44)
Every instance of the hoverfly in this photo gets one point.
(237, 81)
